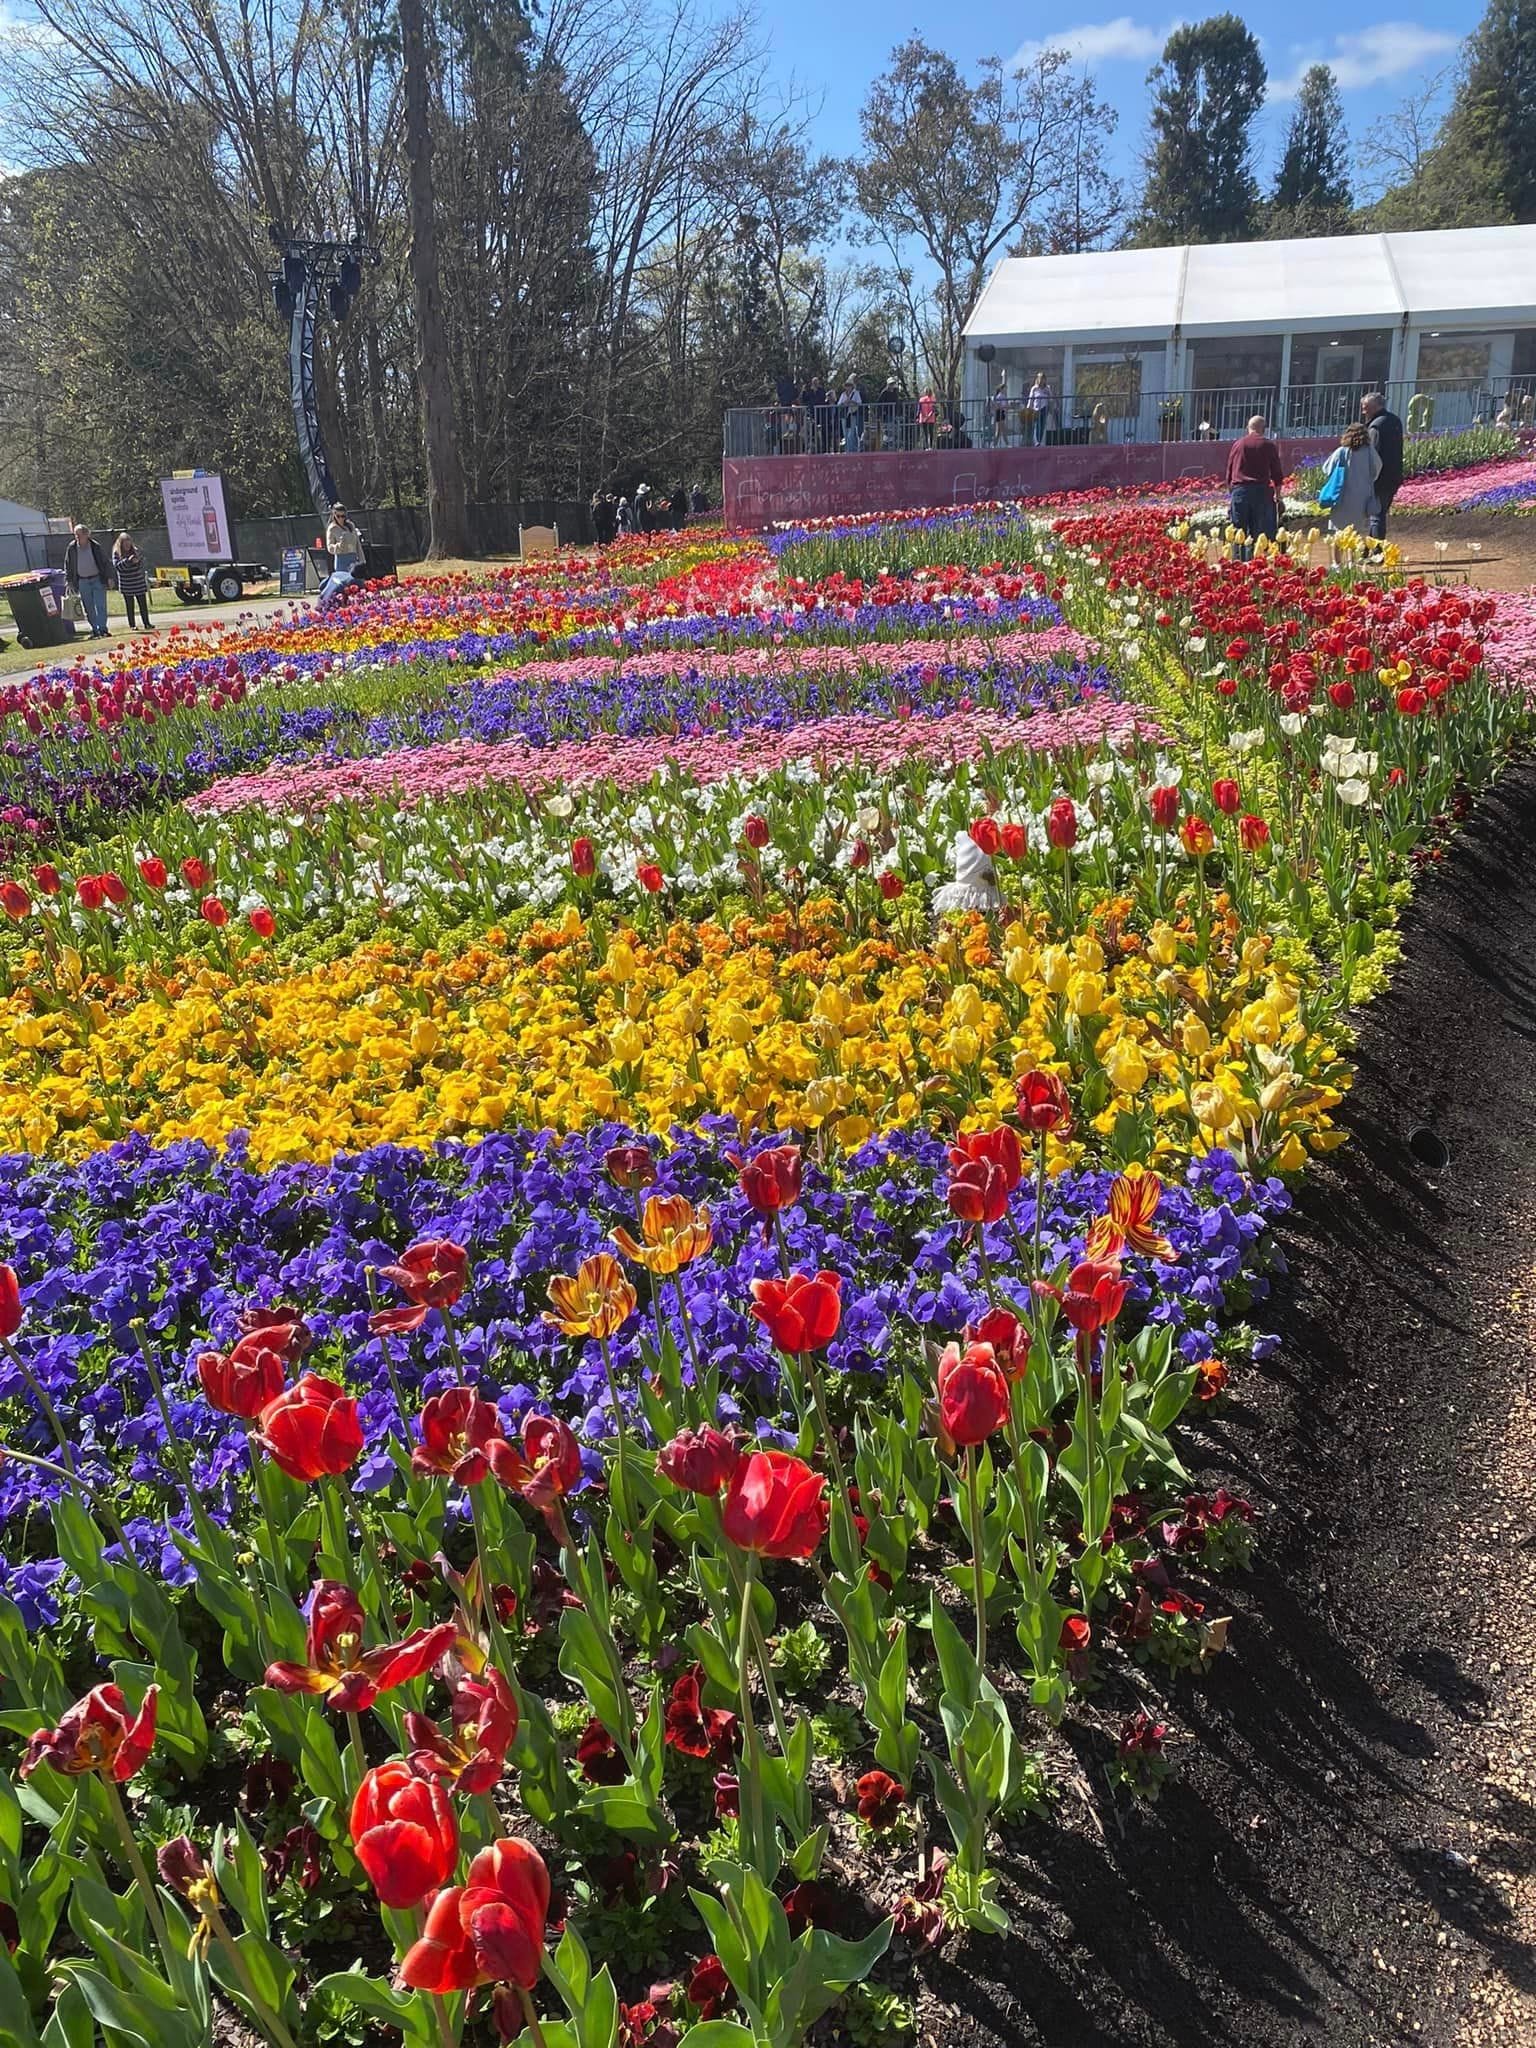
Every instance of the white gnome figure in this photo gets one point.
(975, 883)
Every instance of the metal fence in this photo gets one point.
(1110, 415)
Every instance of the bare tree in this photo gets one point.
(1395, 149)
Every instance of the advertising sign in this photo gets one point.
(196, 523)
(293, 577)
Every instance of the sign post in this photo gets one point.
(196, 523)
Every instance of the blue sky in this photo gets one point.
(1378, 59)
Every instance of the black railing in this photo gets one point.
(1126, 414)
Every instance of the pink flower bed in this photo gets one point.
(460, 766)
(1049, 643)
(1510, 639)
(1445, 489)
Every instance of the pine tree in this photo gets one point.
(1311, 193)
(1487, 149)
(1200, 182)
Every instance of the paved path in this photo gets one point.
(95, 653)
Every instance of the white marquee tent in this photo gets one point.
(1336, 314)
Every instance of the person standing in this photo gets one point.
(679, 509)
(132, 578)
(343, 542)
(1361, 466)
(927, 415)
(625, 517)
(1000, 411)
(1038, 402)
(850, 408)
(1386, 432)
(88, 573)
(698, 501)
(1255, 474)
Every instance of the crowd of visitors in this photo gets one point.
(818, 419)
(645, 510)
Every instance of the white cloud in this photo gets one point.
(1368, 56)
(1100, 42)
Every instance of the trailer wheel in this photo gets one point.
(225, 585)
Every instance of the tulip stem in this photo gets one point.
(618, 1424)
(824, 1422)
(487, 1599)
(355, 1730)
(259, 1478)
(269, 2022)
(753, 1820)
(94, 1499)
(531, 2016)
(206, 1534)
(978, 1561)
(44, 1401)
(135, 1861)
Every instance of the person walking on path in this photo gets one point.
(1386, 432)
(132, 578)
(88, 573)
(1254, 476)
(1361, 465)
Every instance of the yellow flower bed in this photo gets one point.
(785, 1023)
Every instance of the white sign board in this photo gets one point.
(196, 523)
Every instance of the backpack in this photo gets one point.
(1333, 485)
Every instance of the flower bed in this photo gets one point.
(608, 1260)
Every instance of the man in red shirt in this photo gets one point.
(1254, 476)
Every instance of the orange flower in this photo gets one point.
(594, 1301)
(1127, 1225)
(675, 1234)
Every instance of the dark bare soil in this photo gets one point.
(1495, 550)
(1346, 1855)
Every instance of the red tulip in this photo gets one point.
(891, 885)
(12, 1314)
(1226, 796)
(771, 1180)
(213, 910)
(431, 1274)
(245, 1380)
(860, 856)
(756, 833)
(96, 1734)
(484, 1715)
(978, 1192)
(998, 1147)
(1094, 1295)
(340, 1671)
(262, 922)
(709, 1989)
(973, 1394)
(630, 1166)
(1252, 832)
(546, 1467)
(698, 1460)
(986, 834)
(1009, 1340)
(1061, 823)
(47, 878)
(15, 901)
(152, 872)
(801, 1313)
(1015, 842)
(1412, 702)
(114, 888)
(194, 873)
(650, 877)
(489, 1930)
(1196, 837)
(776, 1505)
(457, 1428)
(1163, 803)
(1044, 1104)
(404, 1833)
(583, 858)
(90, 892)
(1076, 1635)
(312, 1430)
(1342, 694)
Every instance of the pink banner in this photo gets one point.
(767, 490)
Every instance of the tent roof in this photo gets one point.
(1461, 277)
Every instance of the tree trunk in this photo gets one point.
(448, 523)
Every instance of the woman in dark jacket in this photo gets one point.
(132, 578)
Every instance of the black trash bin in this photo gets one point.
(37, 606)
